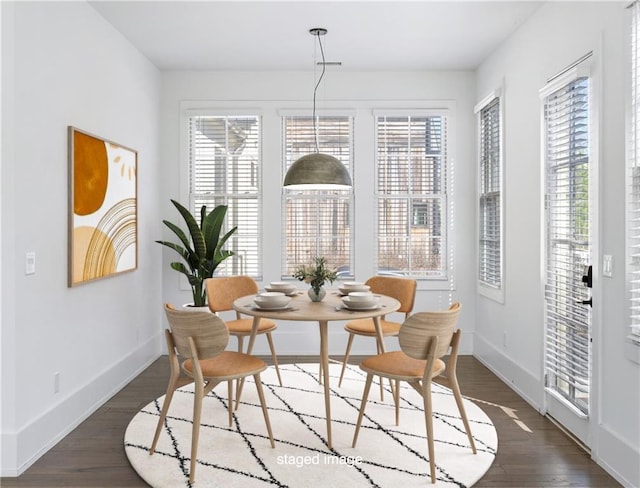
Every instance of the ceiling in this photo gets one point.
(274, 35)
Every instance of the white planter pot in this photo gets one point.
(190, 308)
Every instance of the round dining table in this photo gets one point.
(330, 309)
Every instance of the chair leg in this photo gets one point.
(195, 431)
(396, 398)
(365, 396)
(274, 357)
(263, 404)
(379, 346)
(453, 381)
(230, 401)
(171, 388)
(428, 418)
(239, 383)
(346, 358)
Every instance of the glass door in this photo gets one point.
(568, 257)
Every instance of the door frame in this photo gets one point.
(579, 425)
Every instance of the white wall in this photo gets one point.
(63, 65)
(358, 91)
(558, 34)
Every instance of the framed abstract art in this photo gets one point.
(103, 210)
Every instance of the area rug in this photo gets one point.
(240, 456)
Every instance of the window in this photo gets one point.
(633, 180)
(317, 223)
(411, 157)
(490, 197)
(224, 169)
(568, 238)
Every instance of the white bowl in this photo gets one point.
(346, 291)
(272, 300)
(271, 294)
(281, 285)
(353, 284)
(361, 296)
(360, 305)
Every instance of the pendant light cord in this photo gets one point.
(324, 67)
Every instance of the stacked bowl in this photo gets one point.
(361, 300)
(353, 286)
(285, 287)
(272, 300)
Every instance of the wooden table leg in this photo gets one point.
(252, 339)
(324, 361)
(379, 336)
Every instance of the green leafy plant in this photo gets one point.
(203, 252)
(316, 274)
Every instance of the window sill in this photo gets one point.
(495, 294)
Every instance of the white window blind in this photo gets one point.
(568, 321)
(411, 186)
(224, 165)
(317, 223)
(633, 178)
(490, 195)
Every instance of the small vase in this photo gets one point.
(316, 297)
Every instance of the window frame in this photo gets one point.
(343, 195)
(188, 111)
(495, 293)
(446, 281)
(580, 70)
(632, 200)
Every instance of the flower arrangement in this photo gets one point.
(316, 274)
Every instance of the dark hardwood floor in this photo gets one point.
(93, 454)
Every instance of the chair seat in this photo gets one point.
(243, 326)
(228, 365)
(397, 365)
(367, 328)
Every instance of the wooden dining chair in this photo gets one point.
(222, 292)
(425, 338)
(403, 290)
(201, 338)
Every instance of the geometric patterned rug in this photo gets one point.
(240, 456)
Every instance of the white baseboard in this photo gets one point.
(614, 454)
(523, 382)
(617, 457)
(23, 448)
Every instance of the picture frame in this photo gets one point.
(103, 208)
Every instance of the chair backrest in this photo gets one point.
(402, 289)
(208, 332)
(224, 290)
(420, 328)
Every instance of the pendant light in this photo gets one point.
(317, 171)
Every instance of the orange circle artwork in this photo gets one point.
(93, 254)
(91, 174)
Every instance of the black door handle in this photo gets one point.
(586, 302)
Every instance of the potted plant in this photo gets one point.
(203, 253)
(316, 274)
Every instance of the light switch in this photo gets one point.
(607, 265)
(30, 263)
